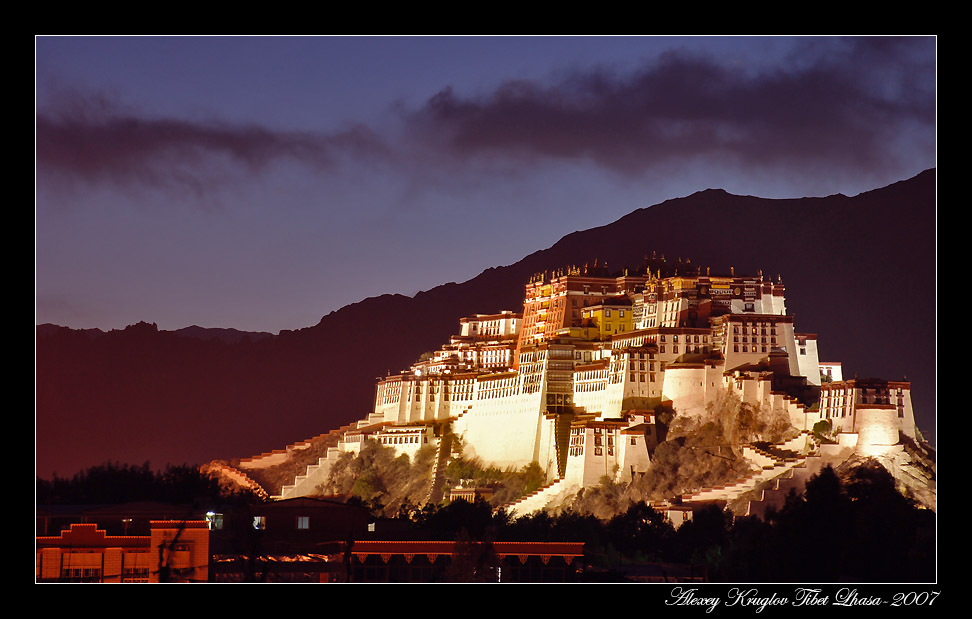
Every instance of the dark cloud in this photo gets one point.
(96, 139)
(834, 103)
(839, 101)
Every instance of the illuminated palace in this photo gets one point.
(574, 381)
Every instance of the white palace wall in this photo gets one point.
(504, 431)
(685, 387)
(692, 387)
(808, 361)
(877, 427)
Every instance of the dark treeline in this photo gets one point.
(113, 483)
(857, 530)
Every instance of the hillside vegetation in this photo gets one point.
(698, 452)
(378, 477)
(394, 485)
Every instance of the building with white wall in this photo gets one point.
(842, 403)
(831, 371)
(554, 386)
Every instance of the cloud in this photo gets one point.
(832, 104)
(841, 102)
(96, 139)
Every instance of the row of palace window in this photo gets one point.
(688, 349)
(745, 348)
(401, 440)
(755, 330)
(735, 338)
(591, 386)
(598, 451)
(688, 338)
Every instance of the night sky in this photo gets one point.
(260, 183)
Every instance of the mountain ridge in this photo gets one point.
(296, 381)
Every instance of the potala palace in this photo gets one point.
(575, 380)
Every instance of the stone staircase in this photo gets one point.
(237, 477)
(316, 474)
(372, 419)
(438, 467)
(538, 499)
(769, 466)
(774, 495)
(307, 483)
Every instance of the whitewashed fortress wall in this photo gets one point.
(558, 386)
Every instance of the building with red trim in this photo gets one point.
(456, 561)
(174, 551)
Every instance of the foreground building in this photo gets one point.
(448, 561)
(174, 551)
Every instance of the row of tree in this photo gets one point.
(115, 483)
(856, 529)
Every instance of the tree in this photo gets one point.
(822, 429)
(113, 483)
(472, 560)
(704, 538)
(641, 533)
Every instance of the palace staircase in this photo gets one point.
(316, 474)
(778, 468)
(538, 499)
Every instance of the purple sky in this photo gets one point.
(259, 183)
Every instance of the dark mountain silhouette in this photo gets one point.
(859, 272)
(230, 336)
